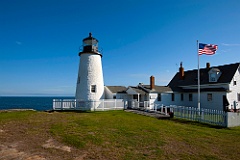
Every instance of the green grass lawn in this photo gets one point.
(123, 135)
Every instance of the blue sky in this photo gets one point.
(40, 40)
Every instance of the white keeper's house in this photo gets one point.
(219, 86)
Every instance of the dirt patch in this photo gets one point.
(9, 152)
(31, 139)
(53, 144)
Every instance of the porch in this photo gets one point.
(138, 99)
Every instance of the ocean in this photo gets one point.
(36, 103)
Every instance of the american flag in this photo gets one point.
(208, 49)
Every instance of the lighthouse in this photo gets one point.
(90, 85)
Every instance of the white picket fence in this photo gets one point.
(101, 105)
(209, 116)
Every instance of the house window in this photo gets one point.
(114, 97)
(214, 74)
(238, 96)
(173, 97)
(190, 97)
(234, 83)
(93, 88)
(213, 77)
(159, 97)
(181, 96)
(209, 96)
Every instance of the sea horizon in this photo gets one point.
(39, 103)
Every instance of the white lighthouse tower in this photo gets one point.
(90, 86)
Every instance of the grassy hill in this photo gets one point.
(115, 135)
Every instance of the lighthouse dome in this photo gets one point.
(90, 40)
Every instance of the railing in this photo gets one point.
(110, 104)
(101, 105)
(209, 116)
(64, 104)
(162, 109)
(134, 104)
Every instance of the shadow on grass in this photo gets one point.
(68, 111)
(80, 111)
(184, 121)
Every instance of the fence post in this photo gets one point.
(75, 104)
(182, 109)
(53, 104)
(103, 108)
(226, 119)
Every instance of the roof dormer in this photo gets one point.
(214, 74)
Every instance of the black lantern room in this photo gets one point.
(90, 45)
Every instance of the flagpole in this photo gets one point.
(199, 106)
